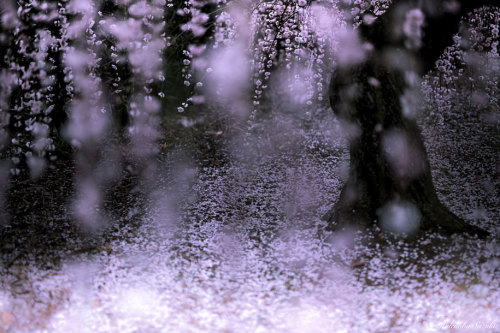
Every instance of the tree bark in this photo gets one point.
(389, 166)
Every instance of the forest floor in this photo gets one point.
(230, 240)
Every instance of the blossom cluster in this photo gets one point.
(31, 95)
(73, 70)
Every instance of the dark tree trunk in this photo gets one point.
(389, 165)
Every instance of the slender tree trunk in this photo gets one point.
(390, 180)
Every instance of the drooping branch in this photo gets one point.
(442, 19)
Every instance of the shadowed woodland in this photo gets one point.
(275, 166)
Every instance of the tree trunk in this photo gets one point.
(390, 180)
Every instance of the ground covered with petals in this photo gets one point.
(239, 246)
